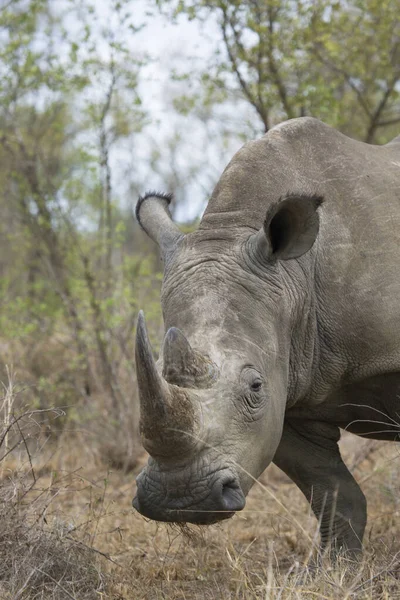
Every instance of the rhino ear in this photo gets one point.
(291, 226)
(153, 216)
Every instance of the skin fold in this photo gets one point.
(282, 320)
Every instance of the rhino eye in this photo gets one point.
(252, 396)
(253, 379)
(256, 385)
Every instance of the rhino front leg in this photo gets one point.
(309, 454)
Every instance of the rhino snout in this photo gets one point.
(208, 501)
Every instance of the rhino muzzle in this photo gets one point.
(170, 499)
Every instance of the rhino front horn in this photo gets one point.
(154, 393)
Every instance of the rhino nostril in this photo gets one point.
(232, 496)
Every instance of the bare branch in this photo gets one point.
(388, 122)
(105, 167)
(346, 76)
(245, 88)
(27, 451)
(379, 110)
(273, 66)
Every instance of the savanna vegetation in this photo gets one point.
(80, 136)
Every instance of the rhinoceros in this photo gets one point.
(282, 320)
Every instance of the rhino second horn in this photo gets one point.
(184, 366)
(154, 393)
(178, 357)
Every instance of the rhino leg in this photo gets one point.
(309, 454)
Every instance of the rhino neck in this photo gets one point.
(303, 343)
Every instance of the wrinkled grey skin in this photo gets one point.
(305, 307)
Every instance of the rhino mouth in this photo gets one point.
(169, 515)
(203, 503)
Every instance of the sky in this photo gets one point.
(184, 46)
(173, 152)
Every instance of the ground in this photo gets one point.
(263, 552)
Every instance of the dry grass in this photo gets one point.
(69, 531)
(39, 558)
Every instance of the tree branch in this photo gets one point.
(245, 88)
(388, 122)
(331, 65)
(374, 123)
(106, 183)
(273, 66)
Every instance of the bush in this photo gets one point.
(39, 558)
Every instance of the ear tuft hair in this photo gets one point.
(151, 194)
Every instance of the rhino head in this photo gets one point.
(212, 408)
